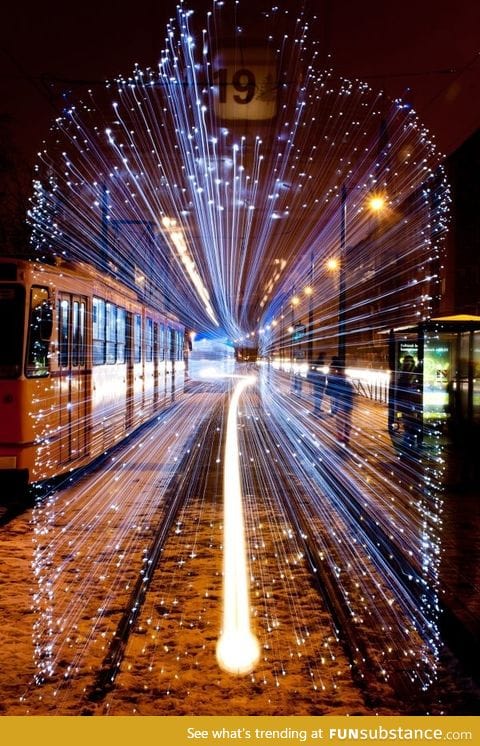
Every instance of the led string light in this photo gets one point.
(406, 506)
(90, 544)
(227, 221)
(242, 193)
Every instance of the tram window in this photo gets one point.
(111, 332)
(180, 345)
(148, 340)
(121, 334)
(82, 334)
(78, 331)
(40, 329)
(161, 343)
(171, 344)
(98, 331)
(63, 321)
(75, 331)
(137, 342)
(12, 305)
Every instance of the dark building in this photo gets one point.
(461, 293)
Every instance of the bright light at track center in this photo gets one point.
(238, 649)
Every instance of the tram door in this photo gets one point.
(162, 362)
(73, 388)
(129, 371)
(155, 363)
(170, 362)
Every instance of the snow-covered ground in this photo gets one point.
(68, 566)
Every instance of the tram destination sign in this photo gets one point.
(245, 83)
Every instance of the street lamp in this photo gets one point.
(376, 204)
(332, 264)
(309, 293)
(342, 287)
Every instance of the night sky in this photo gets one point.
(426, 52)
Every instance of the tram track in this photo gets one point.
(168, 579)
(417, 583)
(134, 677)
(318, 553)
(431, 619)
(114, 517)
(191, 471)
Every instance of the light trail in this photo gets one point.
(252, 197)
(238, 649)
(90, 541)
(228, 220)
(404, 502)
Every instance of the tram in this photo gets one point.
(84, 361)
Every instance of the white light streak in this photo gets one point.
(178, 239)
(238, 649)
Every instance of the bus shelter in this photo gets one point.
(435, 380)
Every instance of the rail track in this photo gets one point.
(190, 471)
(318, 553)
(320, 550)
(304, 600)
(280, 659)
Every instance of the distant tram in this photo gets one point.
(83, 362)
(246, 354)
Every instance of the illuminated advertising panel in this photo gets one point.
(436, 376)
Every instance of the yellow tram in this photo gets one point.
(84, 360)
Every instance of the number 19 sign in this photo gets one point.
(245, 84)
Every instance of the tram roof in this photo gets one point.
(461, 317)
(457, 322)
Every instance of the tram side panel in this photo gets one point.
(81, 367)
(21, 429)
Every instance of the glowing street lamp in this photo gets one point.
(376, 204)
(342, 286)
(332, 264)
